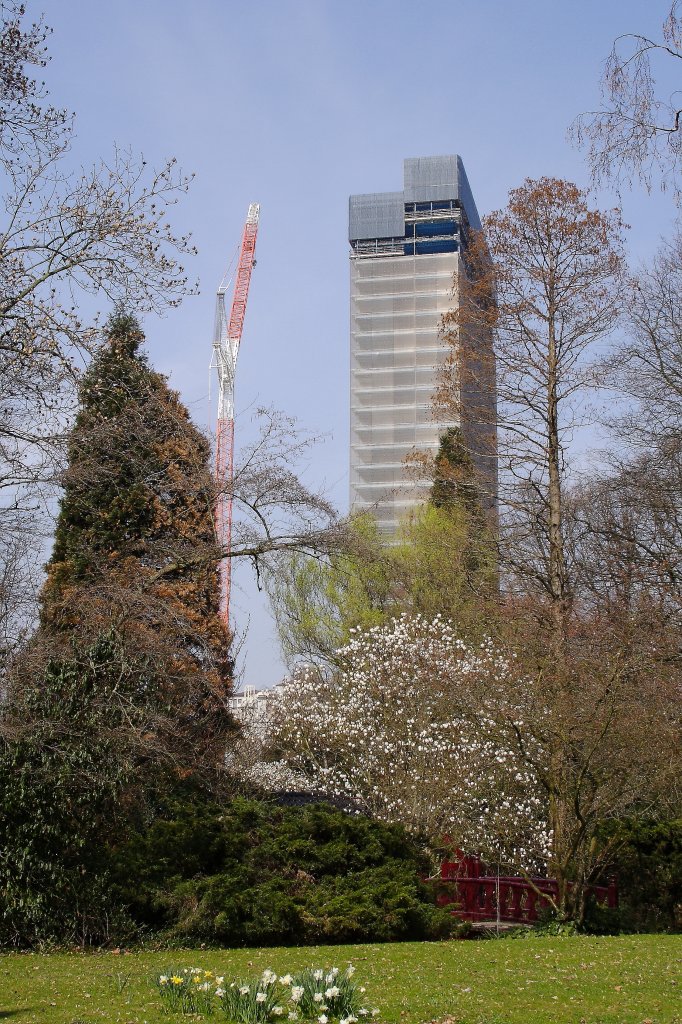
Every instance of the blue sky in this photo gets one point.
(296, 104)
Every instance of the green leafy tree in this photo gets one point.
(443, 568)
(442, 561)
(454, 479)
(317, 601)
(445, 557)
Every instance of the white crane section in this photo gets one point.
(227, 336)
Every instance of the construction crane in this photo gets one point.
(227, 336)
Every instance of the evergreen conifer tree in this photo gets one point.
(123, 693)
(456, 494)
(454, 481)
(139, 497)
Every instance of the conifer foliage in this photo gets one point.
(139, 498)
(123, 693)
(454, 475)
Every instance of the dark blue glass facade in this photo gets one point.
(426, 234)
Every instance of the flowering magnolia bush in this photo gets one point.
(419, 728)
(313, 994)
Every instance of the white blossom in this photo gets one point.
(419, 728)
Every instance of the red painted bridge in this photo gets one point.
(479, 893)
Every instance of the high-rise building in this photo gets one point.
(406, 249)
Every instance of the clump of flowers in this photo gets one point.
(326, 994)
(315, 994)
(252, 1002)
(190, 990)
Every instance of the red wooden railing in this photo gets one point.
(478, 893)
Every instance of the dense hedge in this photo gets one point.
(257, 873)
(648, 866)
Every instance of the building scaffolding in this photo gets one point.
(407, 249)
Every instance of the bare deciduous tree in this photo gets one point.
(625, 537)
(627, 529)
(64, 234)
(636, 134)
(545, 279)
(648, 365)
(548, 280)
(604, 720)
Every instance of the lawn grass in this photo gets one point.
(623, 980)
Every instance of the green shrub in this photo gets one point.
(648, 866)
(256, 873)
(60, 788)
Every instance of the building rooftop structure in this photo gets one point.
(426, 217)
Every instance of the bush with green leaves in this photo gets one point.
(62, 771)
